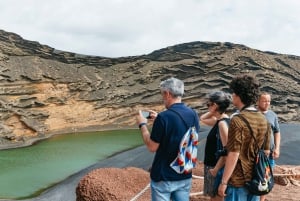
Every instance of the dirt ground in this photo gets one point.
(132, 184)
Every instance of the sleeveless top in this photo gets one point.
(211, 145)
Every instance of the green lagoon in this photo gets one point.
(25, 172)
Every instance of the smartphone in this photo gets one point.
(146, 114)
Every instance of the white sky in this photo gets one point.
(115, 28)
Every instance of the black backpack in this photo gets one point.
(262, 180)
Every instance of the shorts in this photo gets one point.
(239, 194)
(209, 182)
(174, 190)
(272, 161)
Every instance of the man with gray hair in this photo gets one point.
(167, 132)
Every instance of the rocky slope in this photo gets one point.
(44, 91)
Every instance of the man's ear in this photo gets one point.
(168, 94)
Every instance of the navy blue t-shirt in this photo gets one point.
(168, 130)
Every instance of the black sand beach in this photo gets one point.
(140, 157)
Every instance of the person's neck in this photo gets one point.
(174, 101)
(245, 107)
(240, 106)
(262, 110)
(221, 116)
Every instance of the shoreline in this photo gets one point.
(140, 157)
(34, 140)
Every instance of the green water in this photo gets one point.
(25, 171)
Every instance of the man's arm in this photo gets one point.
(142, 123)
(230, 164)
(151, 145)
(277, 139)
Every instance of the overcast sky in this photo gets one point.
(115, 28)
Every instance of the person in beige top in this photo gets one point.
(240, 145)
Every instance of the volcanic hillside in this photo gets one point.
(44, 91)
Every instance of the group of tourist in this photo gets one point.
(229, 151)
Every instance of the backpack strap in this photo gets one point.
(251, 131)
(182, 117)
(187, 154)
(219, 141)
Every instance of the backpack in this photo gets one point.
(187, 154)
(221, 150)
(262, 180)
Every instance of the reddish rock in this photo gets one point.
(115, 184)
(112, 184)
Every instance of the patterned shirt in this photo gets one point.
(241, 141)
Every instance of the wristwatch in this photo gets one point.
(142, 124)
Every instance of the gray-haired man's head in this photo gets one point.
(174, 86)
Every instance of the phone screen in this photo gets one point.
(146, 114)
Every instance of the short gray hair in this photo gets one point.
(174, 86)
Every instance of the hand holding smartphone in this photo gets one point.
(146, 114)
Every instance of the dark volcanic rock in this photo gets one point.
(44, 91)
